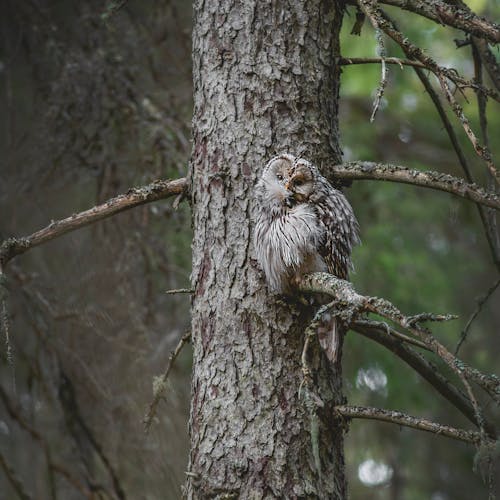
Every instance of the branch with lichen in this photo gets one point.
(160, 383)
(354, 304)
(359, 170)
(157, 190)
(399, 418)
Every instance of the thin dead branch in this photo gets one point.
(426, 369)
(349, 61)
(160, 385)
(399, 418)
(480, 303)
(368, 9)
(155, 191)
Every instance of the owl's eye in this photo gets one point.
(279, 177)
(299, 182)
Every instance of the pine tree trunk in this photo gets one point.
(265, 82)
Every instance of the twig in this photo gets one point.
(427, 370)
(490, 215)
(480, 303)
(179, 290)
(155, 191)
(349, 61)
(160, 385)
(360, 170)
(368, 8)
(413, 52)
(399, 418)
(381, 326)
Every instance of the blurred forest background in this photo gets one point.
(95, 97)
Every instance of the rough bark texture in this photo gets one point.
(265, 81)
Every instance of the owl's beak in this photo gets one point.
(290, 200)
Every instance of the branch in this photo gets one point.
(480, 303)
(460, 18)
(15, 482)
(489, 61)
(490, 236)
(348, 61)
(442, 182)
(354, 304)
(155, 191)
(427, 370)
(160, 383)
(396, 417)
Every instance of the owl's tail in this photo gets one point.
(330, 334)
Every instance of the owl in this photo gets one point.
(303, 225)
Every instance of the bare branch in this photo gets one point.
(480, 303)
(461, 18)
(427, 370)
(398, 418)
(179, 290)
(155, 191)
(161, 384)
(348, 61)
(434, 180)
(370, 326)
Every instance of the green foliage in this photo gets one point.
(423, 250)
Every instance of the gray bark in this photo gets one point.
(265, 81)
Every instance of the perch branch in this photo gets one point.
(442, 182)
(155, 191)
(161, 385)
(398, 418)
(159, 190)
(344, 293)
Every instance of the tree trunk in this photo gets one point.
(265, 81)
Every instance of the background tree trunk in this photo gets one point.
(265, 81)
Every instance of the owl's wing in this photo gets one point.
(341, 230)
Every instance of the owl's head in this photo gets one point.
(287, 181)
